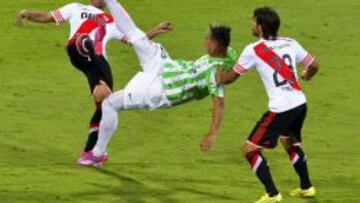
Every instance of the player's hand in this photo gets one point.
(19, 18)
(305, 76)
(164, 27)
(208, 141)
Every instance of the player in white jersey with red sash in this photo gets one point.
(275, 59)
(90, 30)
(86, 50)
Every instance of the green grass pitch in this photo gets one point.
(45, 106)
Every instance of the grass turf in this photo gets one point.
(45, 106)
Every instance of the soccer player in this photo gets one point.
(275, 58)
(164, 82)
(85, 48)
(90, 30)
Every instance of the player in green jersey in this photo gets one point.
(164, 82)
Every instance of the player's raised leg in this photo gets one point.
(123, 21)
(298, 160)
(145, 49)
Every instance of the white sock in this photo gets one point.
(108, 125)
(124, 22)
(144, 49)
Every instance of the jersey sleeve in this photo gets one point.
(64, 13)
(303, 57)
(215, 90)
(114, 33)
(230, 59)
(245, 62)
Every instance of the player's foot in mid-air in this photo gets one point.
(298, 192)
(89, 159)
(267, 199)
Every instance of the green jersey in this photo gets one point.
(187, 80)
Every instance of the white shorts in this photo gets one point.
(145, 91)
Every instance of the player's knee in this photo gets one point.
(247, 148)
(98, 97)
(286, 142)
(101, 91)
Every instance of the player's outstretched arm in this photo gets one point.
(163, 27)
(310, 71)
(210, 138)
(34, 16)
(226, 77)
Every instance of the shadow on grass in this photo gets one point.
(134, 191)
(130, 191)
(311, 199)
(198, 192)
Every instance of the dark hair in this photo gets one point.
(221, 34)
(269, 21)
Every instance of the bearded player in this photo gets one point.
(275, 58)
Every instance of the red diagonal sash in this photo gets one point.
(277, 63)
(91, 24)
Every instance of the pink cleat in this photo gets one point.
(89, 159)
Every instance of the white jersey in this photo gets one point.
(282, 95)
(81, 19)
